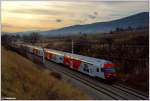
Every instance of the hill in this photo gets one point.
(23, 79)
(134, 21)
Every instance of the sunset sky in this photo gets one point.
(17, 16)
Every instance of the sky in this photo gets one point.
(20, 16)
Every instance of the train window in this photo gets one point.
(91, 71)
(61, 58)
(97, 69)
(85, 65)
(102, 69)
(85, 68)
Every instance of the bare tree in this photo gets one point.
(25, 38)
(34, 37)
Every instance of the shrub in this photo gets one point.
(56, 75)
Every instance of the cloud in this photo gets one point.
(95, 13)
(58, 20)
(18, 26)
(38, 11)
(93, 16)
(34, 11)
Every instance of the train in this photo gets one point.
(99, 68)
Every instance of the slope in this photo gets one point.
(23, 80)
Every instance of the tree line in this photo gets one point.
(33, 37)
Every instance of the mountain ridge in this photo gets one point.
(136, 20)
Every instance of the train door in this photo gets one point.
(30, 50)
(48, 55)
(91, 69)
(84, 68)
(67, 60)
(41, 52)
(98, 72)
(74, 63)
(54, 58)
(59, 58)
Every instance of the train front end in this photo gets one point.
(109, 71)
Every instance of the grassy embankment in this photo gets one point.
(24, 80)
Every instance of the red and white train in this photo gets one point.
(88, 65)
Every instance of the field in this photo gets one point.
(22, 79)
(127, 49)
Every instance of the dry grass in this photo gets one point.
(21, 79)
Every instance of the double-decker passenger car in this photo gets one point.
(88, 65)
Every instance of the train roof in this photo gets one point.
(35, 47)
(90, 60)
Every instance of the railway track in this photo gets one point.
(131, 91)
(101, 90)
(114, 91)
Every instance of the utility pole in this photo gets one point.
(43, 55)
(72, 46)
(72, 53)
